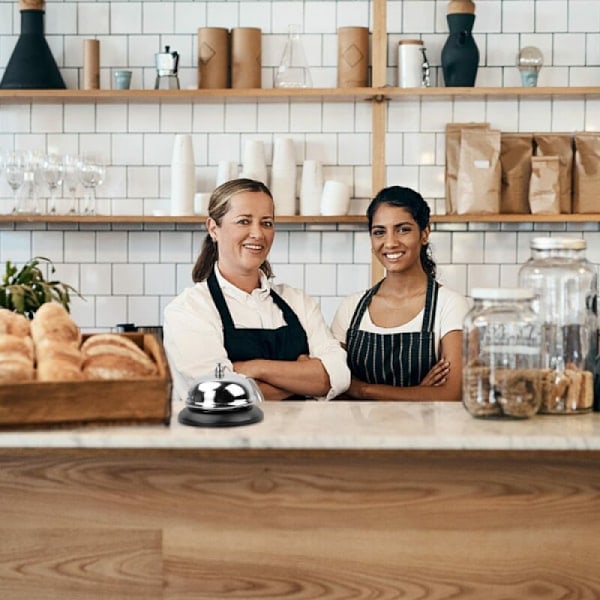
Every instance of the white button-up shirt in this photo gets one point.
(193, 332)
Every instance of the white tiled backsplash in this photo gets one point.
(127, 273)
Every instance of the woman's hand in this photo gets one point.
(438, 375)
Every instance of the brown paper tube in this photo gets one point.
(353, 57)
(91, 64)
(213, 57)
(246, 50)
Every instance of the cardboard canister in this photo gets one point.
(213, 58)
(246, 57)
(353, 57)
(91, 64)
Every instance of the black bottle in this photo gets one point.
(460, 55)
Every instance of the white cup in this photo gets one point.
(335, 199)
(226, 171)
(201, 200)
(311, 187)
(253, 163)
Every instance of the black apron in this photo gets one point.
(284, 343)
(399, 359)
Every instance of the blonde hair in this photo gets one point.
(218, 206)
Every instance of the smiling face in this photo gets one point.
(245, 235)
(396, 239)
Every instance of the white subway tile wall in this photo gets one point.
(129, 272)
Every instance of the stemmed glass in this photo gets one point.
(52, 172)
(91, 175)
(14, 171)
(71, 180)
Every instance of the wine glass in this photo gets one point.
(91, 175)
(14, 171)
(71, 179)
(52, 172)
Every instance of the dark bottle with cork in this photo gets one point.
(460, 55)
(31, 65)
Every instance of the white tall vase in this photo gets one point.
(283, 177)
(183, 176)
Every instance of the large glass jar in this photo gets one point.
(501, 354)
(567, 288)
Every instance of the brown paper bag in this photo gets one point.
(452, 157)
(561, 145)
(479, 172)
(544, 187)
(516, 150)
(586, 192)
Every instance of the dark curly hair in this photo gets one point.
(413, 202)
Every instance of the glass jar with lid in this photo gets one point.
(567, 287)
(501, 354)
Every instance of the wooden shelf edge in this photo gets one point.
(302, 219)
(267, 94)
(343, 219)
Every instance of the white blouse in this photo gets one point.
(193, 332)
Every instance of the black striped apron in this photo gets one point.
(400, 359)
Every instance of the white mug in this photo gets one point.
(335, 199)
(201, 200)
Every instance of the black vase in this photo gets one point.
(460, 55)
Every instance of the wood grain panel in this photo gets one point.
(78, 564)
(314, 524)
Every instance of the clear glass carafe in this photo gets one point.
(293, 71)
(501, 354)
(567, 288)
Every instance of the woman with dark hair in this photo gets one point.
(235, 316)
(404, 335)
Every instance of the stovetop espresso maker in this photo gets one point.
(166, 70)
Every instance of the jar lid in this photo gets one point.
(513, 293)
(553, 243)
(413, 41)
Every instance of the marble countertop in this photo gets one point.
(337, 425)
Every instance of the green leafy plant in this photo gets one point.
(25, 290)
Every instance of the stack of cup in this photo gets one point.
(311, 187)
(335, 199)
(253, 162)
(283, 177)
(226, 171)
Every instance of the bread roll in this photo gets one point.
(52, 321)
(57, 369)
(115, 366)
(15, 370)
(110, 338)
(13, 323)
(48, 349)
(16, 344)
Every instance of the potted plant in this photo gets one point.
(24, 290)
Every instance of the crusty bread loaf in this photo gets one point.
(57, 369)
(16, 344)
(13, 323)
(16, 368)
(111, 366)
(113, 356)
(52, 321)
(48, 349)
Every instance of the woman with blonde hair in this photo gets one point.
(234, 314)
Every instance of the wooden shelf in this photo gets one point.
(377, 94)
(343, 219)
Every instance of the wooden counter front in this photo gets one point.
(159, 522)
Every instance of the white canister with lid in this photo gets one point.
(410, 63)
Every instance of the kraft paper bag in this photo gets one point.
(516, 150)
(544, 189)
(561, 145)
(586, 193)
(452, 157)
(479, 172)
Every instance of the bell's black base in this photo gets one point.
(245, 416)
